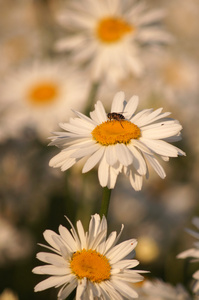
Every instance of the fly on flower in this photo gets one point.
(116, 116)
(141, 140)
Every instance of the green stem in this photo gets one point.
(91, 96)
(105, 202)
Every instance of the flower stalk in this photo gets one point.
(92, 96)
(105, 202)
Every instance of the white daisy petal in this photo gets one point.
(161, 131)
(93, 160)
(100, 112)
(126, 264)
(111, 156)
(136, 180)
(115, 253)
(117, 104)
(138, 144)
(82, 152)
(113, 173)
(88, 120)
(193, 253)
(123, 154)
(150, 118)
(48, 235)
(155, 164)
(161, 147)
(103, 172)
(125, 289)
(50, 270)
(81, 288)
(50, 282)
(110, 291)
(189, 253)
(67, 237)
(138, 118)
(94, 226)
(138, 161)
(81, 234)
(63, 160)
(64, 251)
(131, 107)
(67, 290)
(51, 259)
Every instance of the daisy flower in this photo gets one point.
(39, 95)
(90, 262)
(121, 141)
(110, 35)
(159, 290)
(193, 252)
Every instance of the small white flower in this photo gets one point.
(111, 35)
(193, 252)
(90, 262)
(121, 141)
(37, 96)
(159, 290)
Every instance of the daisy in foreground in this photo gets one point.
(194, 253)
(90, 262)
(110, 35)
(120, 141)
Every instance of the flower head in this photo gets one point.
(109, 35)
(121, 141)
(41, 94)
(90, 262)
(159, 290)
(193, 252)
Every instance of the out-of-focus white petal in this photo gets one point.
(117, 104)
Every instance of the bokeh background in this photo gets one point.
(35, 197)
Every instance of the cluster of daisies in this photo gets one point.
(91, 262)
(106, 37)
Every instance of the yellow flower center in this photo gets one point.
(43, 93)
(114, 131)
(90, 264)
(112, 29)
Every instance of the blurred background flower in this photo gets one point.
(39, 96)
(8, 295)
(111, 36)
(34, 197)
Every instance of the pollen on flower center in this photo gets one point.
(90, 264)
(114, 131)
(112, 29)
(43, 93)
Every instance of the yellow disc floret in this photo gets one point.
(90, 264)
(112, 29)
(114, 131)
(43, 93)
